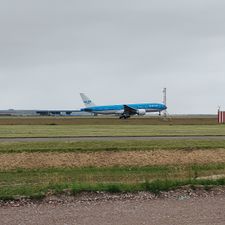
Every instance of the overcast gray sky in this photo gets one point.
(115, 51)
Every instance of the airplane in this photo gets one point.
(124, 111)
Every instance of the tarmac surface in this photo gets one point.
(108, 138)
(185, 210)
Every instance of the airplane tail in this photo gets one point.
(87, 101)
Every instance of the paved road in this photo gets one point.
(109, 138)
(194, 211)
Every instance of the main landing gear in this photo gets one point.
(124, 117)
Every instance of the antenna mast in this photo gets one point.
(164, 96)
(164, 101)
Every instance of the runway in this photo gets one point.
(107, 138)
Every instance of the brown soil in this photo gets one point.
(107, 159)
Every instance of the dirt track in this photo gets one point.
(102, 159)
(208, 210)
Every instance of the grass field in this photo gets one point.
(115, 146)
(37, 183)
(109, 130)
(193, 120)
(34, 169)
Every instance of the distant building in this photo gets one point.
(12, 112)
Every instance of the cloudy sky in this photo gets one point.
(120, 51)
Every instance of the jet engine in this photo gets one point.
(141, 112)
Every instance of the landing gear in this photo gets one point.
(124, 117)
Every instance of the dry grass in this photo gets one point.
(108, 159)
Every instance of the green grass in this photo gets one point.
(156, 186)
(108, 130)
(37, 182)
(125, 145)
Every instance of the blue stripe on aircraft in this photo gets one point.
(121, 107)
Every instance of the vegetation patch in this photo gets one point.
(109, 130)
(38, 169)
(110, 158)
(116, 146)
(197, 120)
(156, 186)
(37, 183)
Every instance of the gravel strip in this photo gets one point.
(183, 206)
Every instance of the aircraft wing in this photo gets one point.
(129, 110)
